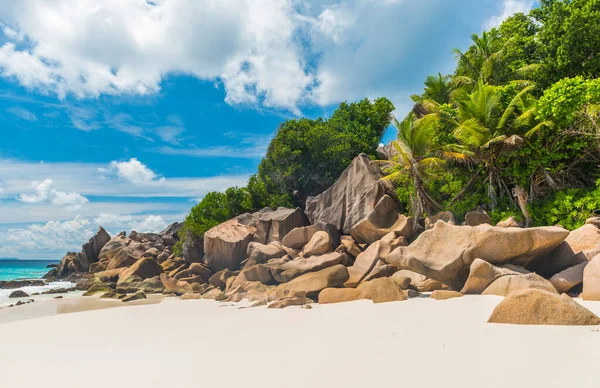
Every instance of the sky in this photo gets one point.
(125, 113)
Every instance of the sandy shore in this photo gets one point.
(420, 342)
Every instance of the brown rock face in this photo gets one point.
(290, 270)
(314, 282)
(352, 198)
(477, 217)
(539, 307)
(570, 252)
(446, 252)
(591, 280)
(144, 268)
(349, 246)
(319, 244)
(126, 256)
(275, 225)
(93, 247)
(175, 286)
(445, 294)
(297, 238)
(383, 219)
(339, 295)
(226, 244)
(112, 247)
(510, 222)
(420, 282)
(482, 274)
(366, 261)
(569, 278)
(445, 216)
(381, 290)
(295, 298)
(506, 285)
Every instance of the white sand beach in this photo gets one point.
(419, 342)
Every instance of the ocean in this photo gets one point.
(26, 269)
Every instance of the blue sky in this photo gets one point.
(125, 113)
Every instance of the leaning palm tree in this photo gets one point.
(417, 155)
(489, 130)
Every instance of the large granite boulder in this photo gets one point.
(380, 290)
(225, 245)
(570, 252)
(126, 256)
(170, 235)
(352, 197)
(477, 217)
(419, 282)
(314, 282)
(539, 307)
(591, 280)
(144, 268)
(340, 295)
(112, 247)
(569, 278)
(319, 244)
(259, 253)
(175, 286)
(93, 247)
(297, 238)
(446, 252)
(482, 274)
(383, 219)
(446, 216)
(275, 225)
(292, 269)
(506, 285)
(366, 261)
(193, 248)
(445, 294)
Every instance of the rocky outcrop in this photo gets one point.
(93, 247)
(297, 238)
(510, 222)
(482, 274)
(170, 235)
(366, 261)
(352, 197)
(539, 307)
(226, 244)
(506, 285)
(290, 270)
(126, 256)
(445, 216)
(419, 282)
(574, 250)
(319, 244)
(193, 248)
(477, 217)
(275, 225)
(314, 282)
(383, 219)
(445, 294)
(569, 278)
(144, 268)
(378, 290)
(18, 294)
(591, 280)
(12, 284)
(446, 252)
(175, 286)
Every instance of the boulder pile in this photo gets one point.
(352, 242)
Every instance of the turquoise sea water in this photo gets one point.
(24, 269)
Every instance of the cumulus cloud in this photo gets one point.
(54, 236)
(150, 224)
(22, 113)
(112, 220)
(94, 48)
(45, 192)
(509, 8)
(135, 172)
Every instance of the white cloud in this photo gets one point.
(44, 192)
(112, 220)
(509, 8)
(135, 172)
(53, 236)
(22, 113)
(151, 224)
(112, 47)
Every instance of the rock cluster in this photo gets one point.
(351, 243)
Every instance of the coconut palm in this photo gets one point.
(417, 155)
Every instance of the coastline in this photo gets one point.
(356, 344)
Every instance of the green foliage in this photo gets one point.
(569, 207)
(307, 156)
(564, 100)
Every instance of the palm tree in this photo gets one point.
(489, 131)
(417, 155)
(438, 89)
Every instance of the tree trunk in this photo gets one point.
(521, 197)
